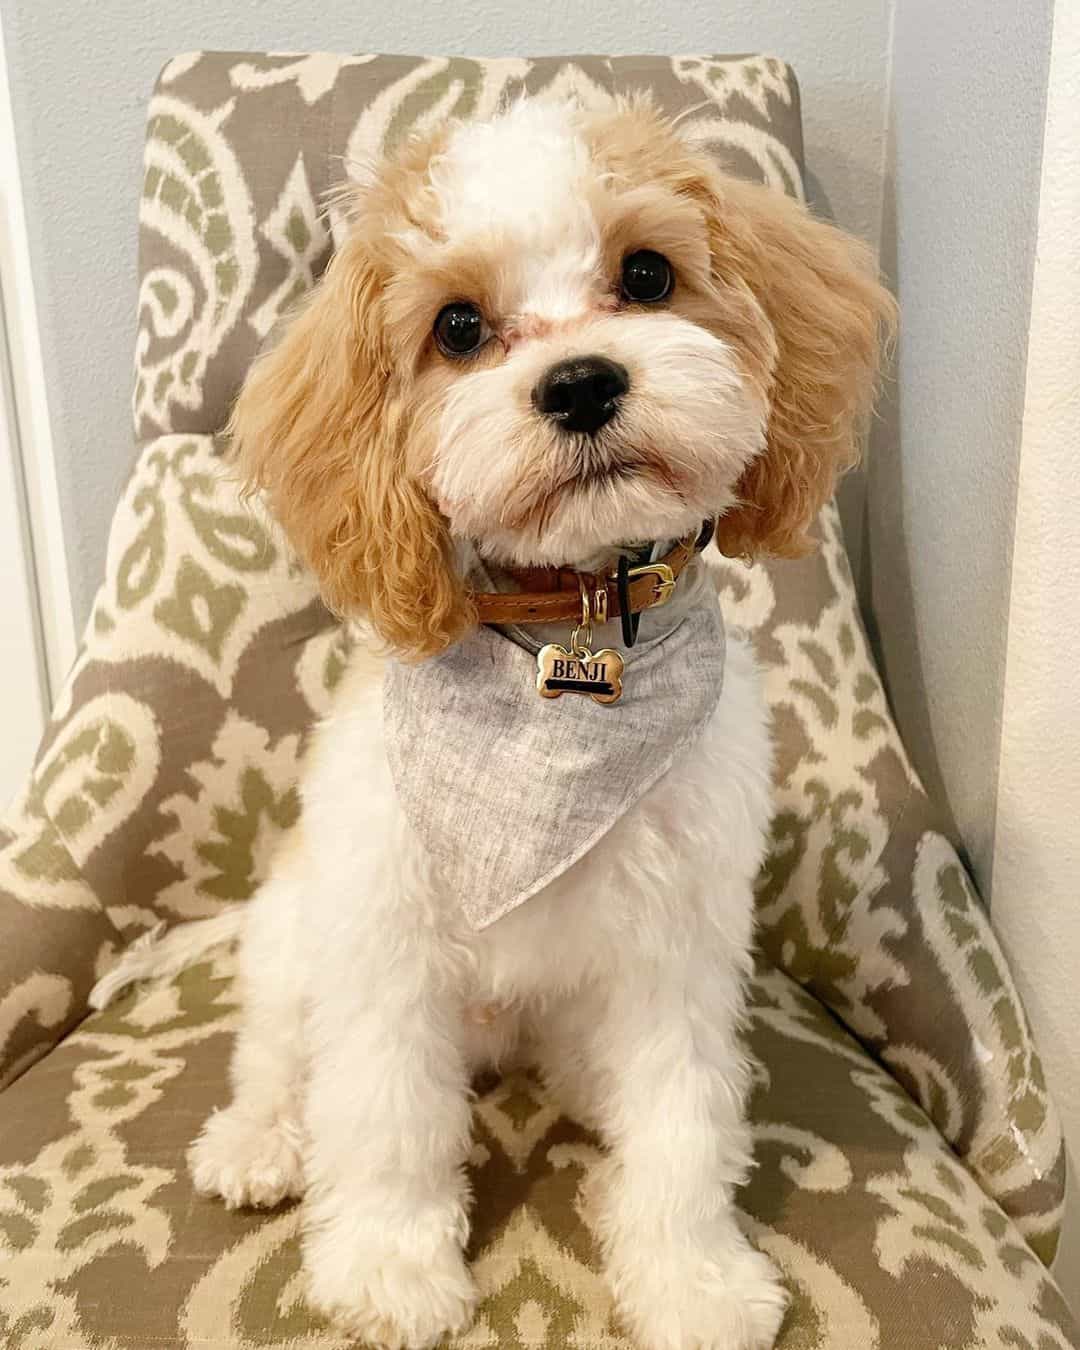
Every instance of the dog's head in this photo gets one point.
(551, 334)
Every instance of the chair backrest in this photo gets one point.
(241, 149)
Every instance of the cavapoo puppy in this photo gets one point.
(550, 341)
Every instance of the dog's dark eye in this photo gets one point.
(646, 276)
(460, 329)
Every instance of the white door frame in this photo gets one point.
(24, 689)
(37, 630)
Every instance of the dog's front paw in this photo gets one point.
(390, 1297)
(734, 1304)
(247, 1162)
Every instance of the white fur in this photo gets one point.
(514, 192)
(623, 980)
(159, 954)
(520, 178)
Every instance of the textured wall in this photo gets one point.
(961, 200)
(80, 75)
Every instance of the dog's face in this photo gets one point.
(552, 334)
(581, 383)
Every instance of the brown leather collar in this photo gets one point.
(553, 594)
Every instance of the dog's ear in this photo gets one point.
(830, 316)
(320, 429)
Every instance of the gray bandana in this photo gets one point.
(506, 789)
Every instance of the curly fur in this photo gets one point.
(829, 313)
(337, 422)
(624, 977)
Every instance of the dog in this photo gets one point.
(548, 341)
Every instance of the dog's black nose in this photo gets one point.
(581, 393)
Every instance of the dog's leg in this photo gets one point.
(251, 1152)
(670, 1077)
(388, 1119)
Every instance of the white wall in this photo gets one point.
(961, 198)
(973, 559)
(80, 75)
(38, 631)
(1037, 843)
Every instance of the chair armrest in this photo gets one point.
(865, 901)
(56, 934)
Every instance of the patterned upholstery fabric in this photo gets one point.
(169, 772)
(884, 1238)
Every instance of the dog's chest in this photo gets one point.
(507, 792)
(647, 881)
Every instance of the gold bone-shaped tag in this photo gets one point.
(559, 671)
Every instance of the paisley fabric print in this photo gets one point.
(911, 1171)
(104, 1244)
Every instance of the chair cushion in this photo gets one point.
(882, 1237)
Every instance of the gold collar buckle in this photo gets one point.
(664, 585)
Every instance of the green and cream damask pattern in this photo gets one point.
(864, 900)
(227, 246)
(883, 1237)
(910, 1165)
